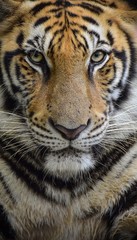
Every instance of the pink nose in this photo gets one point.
(69, 134)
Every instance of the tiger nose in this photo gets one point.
(69, 134)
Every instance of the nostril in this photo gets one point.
(69, 134)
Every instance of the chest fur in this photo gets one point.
(56, 223)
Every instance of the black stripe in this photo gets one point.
(96, 34)
(7, 62)
(8, 58)
(125, 202)
(41, 21)
(18, 73)
(40, 7)
(84, 39)
(67, 4)
(20, 39)
(101, 2)
(73, 15)
(58, 15)
(48, 29)
(99, 10)
(110, 22)
(1, 77)
(20, 76)
(75, 32)
(60, 42)
(59, 31)
(106, 4)
(63, 3)
(113, 5)
(10, 103)
(60, 3)
(110, 38)
(92, 8)
(51, 45)
(121, 55)
(104, 42)
(6, 230)
(33, 43)
(90, 20)
(55, 10)
(83, 27)
(6, 187)
(80, 44)
(46, 71)
(125, 93)
(110, 90)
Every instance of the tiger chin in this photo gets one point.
(68, 120)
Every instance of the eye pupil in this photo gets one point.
(97, 54)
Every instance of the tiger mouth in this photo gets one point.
(67, 150)
(70, 146)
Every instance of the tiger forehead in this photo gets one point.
(67, 13)
(55, 5)
(70, 24)
(69, 43)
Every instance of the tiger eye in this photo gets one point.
(98, 56)
(35, 57)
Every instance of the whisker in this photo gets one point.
(118, 129)
(13, 114)
(121, 124)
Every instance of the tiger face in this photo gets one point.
(68, 66)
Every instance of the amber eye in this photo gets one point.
(98, 56)
(35, 57)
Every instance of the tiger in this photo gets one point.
(68, 120)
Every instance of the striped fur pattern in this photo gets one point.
(68, 120)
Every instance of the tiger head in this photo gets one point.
(69, 66)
